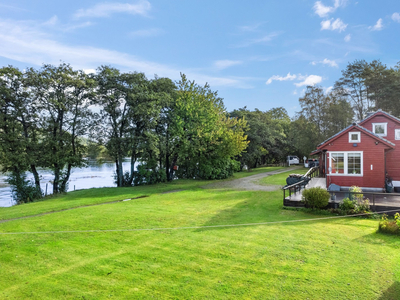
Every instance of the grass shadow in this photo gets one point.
(257, 207)
(392, 293)
(378, 238)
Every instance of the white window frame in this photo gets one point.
(358, 137)
(397, 134)
(345, 158)
(380, 124)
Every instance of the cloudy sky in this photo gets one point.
(259, 54)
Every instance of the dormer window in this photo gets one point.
(397, 134)
(379, 129)
(354, 137)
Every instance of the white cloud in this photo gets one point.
(280, 78)
(223, 64)
(323, 11)
(378, 26)
(27, 42)
(52, 21)
(328, 89)
(396, 17)
(145, 32)
(309, 80)
(333, 25)
(142, 7)
(347, 38)
(89, 71)
(250, 28)
(306, 80)
(261, 40)
(326, 61)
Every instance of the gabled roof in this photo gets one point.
(356, 126)
(379, 112)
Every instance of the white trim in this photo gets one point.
(384, 126)
(345, 161)
(397, 134)
(358, 140)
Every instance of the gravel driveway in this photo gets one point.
(249, 182)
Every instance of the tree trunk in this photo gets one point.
(56, 179)
(132, 175)
(64, 181)
(171, 168)
(36, 177)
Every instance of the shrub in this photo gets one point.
(22, 189)
(356, 197)
(356, 203)
(316, 197)
(347, 205)
(390, 226)
(145, 175)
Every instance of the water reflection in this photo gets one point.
(95, 175)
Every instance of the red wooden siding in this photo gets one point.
(372, 155)
(392, 157)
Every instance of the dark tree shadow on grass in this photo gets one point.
(381, 239)
(392, 293)
(256, 207)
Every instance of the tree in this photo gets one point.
(352, 84)
(111, 96)
(63, 98)
(19, 137)
(267, 134)
(383, 85)
(322, 116)
(205, 139)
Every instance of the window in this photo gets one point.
(397, 134)
(379, 128)
(346, 163)
(354, 163)
(337, 163)
(354, 137)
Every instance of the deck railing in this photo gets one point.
(296, 187)
(377, 201)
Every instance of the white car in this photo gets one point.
(293, 160)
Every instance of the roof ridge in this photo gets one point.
(360, 127)
(380, 111)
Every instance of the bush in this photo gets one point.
(316, 197)
(347, 205)
(355, 204)
(145, 175)
(357, 197)
(22, 189)
(218, 169)
(390, 226)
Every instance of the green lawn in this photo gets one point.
(280, 179)
(319, 259)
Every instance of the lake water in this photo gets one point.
(93, 176)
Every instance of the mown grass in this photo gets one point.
(280, 179)
(102, 195)
(318, 259)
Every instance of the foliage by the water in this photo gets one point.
(22, 189)
(45, 121)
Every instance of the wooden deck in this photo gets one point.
(378, 201)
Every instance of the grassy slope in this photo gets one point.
(321, 259)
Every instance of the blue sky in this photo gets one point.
(259, 54)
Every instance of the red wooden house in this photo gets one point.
(363, 154)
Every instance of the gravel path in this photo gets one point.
(249, 182)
